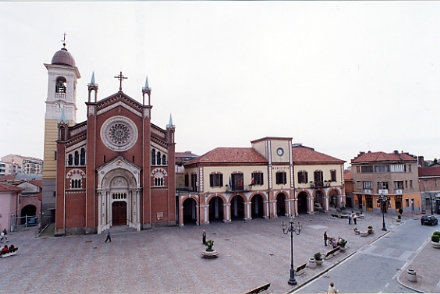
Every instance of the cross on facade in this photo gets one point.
(120, 78)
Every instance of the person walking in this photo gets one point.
(109, 238)
(5, 234)
(349, 218)
(332, 289)
(353, 215)
(204, 237)
(325, 238)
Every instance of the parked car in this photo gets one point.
(429, 220)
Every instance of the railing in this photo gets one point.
(320, 185)
(239, 188)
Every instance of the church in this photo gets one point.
(116, 168)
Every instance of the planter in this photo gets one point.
(398, 220)
(411, 275)
(364, 234)
(342, 249)
(312, 263)
(209, 254)
(435, 244)
(319, 262)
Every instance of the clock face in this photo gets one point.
(58, 105)
(280, 151)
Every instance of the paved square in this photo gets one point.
(168, 260)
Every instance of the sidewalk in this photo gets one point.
(427, 267)
(168, 260)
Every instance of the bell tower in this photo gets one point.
(61, 98)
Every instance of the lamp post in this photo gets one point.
(286, 229)
(383, 201)
(432, 201)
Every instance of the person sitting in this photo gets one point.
(12, 248)
(5, 249)
(335, 243)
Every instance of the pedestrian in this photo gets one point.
(353, 215)
(109, 238)
(332, 289)
(5, 234)
(204, 237)
(325, 238)
(349, 218)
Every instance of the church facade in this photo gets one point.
(116, 168)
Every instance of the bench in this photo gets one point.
(299, 270)
(331, 252)
(259, 289)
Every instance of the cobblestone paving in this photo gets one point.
(168, 260)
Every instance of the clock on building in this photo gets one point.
(58, 105)
(280, 151)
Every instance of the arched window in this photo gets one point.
(158, 158)
(83, 156)
(70, 159)
(76, 158)
(153, 157)
(164, 159)
(60, 87)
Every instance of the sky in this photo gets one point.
(340, 77)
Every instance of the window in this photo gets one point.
(60, 87)
(281, 178)
(381, 169)
(158, 181)
(333, 175)
(436, 183)
(409, 168)
(358, 184)
(397, 168)
(257, 178)
(407, 202)
(153, 157)
(75, 183)
(367, 185)
(186, 180)
(358, 169)
(367, 169)
(237, 182)
(382, 185)
(318, 177)
(216, 180)
(76, 158)
(410, 184)
(158, 158)
(164, 159)
(302, 177)
(83, 156)
(70, 159)
(398, 185)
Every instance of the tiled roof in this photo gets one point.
(38, 183)
(9, 188)
(382, 156)
(234, 155)
(303, 155)
(185, 154)
(429, 171)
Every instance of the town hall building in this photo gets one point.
(115, 168)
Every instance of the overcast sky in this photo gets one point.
(341, 77)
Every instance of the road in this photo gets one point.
(375, 267)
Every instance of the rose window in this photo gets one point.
(119, 133)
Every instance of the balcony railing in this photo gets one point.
(238, 188)
(320, 184)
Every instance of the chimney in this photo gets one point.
(421, 161)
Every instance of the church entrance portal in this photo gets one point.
(119, 213)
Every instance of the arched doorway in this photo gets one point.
(319, 200)
(281, 204)
(237, 208)
(28, 210)
(302, 202)
(216, 210)
(189, 212)
(119, 213)
(257, 208)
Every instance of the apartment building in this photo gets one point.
(394, 175)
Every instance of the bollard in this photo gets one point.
(411, 275)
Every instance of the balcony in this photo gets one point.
(238, 188)
(319, 184)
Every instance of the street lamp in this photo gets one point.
(292, 227)
(432, 201)
(383, 200)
